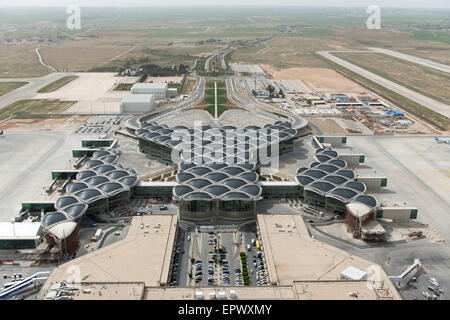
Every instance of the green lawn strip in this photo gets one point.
(220, 100)
(220, 92)
(220, 110)
(57, 84)
(123, 87)
(427, 35)
(219, 85)
(433, 117)
(6, 87)
(34, 106)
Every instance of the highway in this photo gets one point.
(431, 104)
(407, 57)
(29, 90)
(194, 99)
(222, 58)
(222, 53)
(255, 106)
(208, 61)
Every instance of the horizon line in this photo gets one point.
(220, 5)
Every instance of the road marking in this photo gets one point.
(434, 234)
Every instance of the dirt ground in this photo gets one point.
(69, 124)
(92, 91)
(318, 79)
(164, 79)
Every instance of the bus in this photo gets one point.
(258, 245)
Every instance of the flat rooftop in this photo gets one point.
(299, 290)
(19, 230)
(147, 85)
(138, 98)
(142, 257)
(292, 255)
(110, 291)
(232, 117)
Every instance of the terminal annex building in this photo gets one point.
(217, 176)
(102, 185)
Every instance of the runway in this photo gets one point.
(29, 90)
(431, 104)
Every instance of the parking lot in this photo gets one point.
(102, 125)
(213, 258)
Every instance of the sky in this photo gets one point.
(209, 3)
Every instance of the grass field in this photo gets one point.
(55, 85)
(220, 109)
(20, 61)
(440, 36)
(188, 85)
(220, 100)
(123, 87)
(420, 111)
(219, 85)
(6, 87)
(123, 35)
(220, 92)
(427, 81)
(38, 106)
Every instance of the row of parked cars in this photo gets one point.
(258, 263)
(175, 265)
(198, 271)
(238, 277)
(211, 265)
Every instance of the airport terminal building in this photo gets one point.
(218, 170)
(217, 176)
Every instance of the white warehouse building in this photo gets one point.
(137, 103)
(159, 90)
